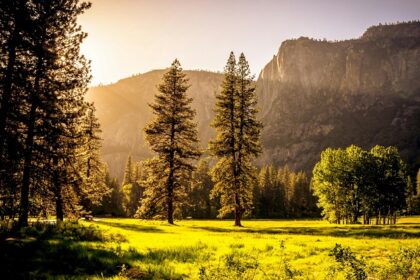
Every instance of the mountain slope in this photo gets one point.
(318, 94)
(123, 111)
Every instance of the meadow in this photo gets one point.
(214, 249)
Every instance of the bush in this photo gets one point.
(403, 264)
(353, 268)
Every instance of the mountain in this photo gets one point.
(316, 94)
(313, 94)
(123, 111)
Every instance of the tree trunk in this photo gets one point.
(170, 184)
(59, 204)
(57, 192)
(238, 211)
(27, 166)
(170, 201)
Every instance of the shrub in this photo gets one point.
(352, 267)
(403, 265)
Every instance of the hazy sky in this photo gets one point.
(135, 36)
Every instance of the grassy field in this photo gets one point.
(263, 249)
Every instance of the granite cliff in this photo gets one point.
(317, 94)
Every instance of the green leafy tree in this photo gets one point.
(351, 183)
(237, 141)
(390, 182)
(172, 135)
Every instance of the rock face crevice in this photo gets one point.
(318, 94)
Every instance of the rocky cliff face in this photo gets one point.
(123, 111)
(318, 94)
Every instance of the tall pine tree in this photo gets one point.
(54, 102)
(237, 142)
(172, 135)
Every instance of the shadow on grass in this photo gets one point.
(46, 251)
(77, 252)
(131, 227)
(43, 258)
(395, 232)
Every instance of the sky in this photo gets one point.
(128, 37)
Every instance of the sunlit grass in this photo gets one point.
(183, 249)
(197, 249)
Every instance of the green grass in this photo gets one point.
(196, 249)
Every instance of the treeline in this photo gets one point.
(277, 193)
(354, 185)
(49, 144)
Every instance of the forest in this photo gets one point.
(187, 211)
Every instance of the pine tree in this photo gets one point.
(15, 66)
(410, 196)
(90, 165)
(418, 183)
(201, 205)
(128, 172)
(54, 101)
(172, 135)
(237, 140)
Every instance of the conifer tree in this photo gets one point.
(172, 135)
(128, 172)
(200, 203)
(90, 165)
(55, 100)
(418, 183)
(237, 140)
(15, 66)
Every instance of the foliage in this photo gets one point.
(352, 267)
(237, 141)
(281, 193)
(199, 204)
(351, 182)
(403, 264)
(131, 195)
(49, 135)
(172, 135)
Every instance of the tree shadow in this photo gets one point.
(394, 232)
(32, 258)
(131, 227)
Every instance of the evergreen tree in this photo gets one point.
(410, 200)
(418, 183)
(172, 135)
(15, 67)
(90, 165)
(128, 172)
(200, 203)
(237, 141)
(53, 100)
